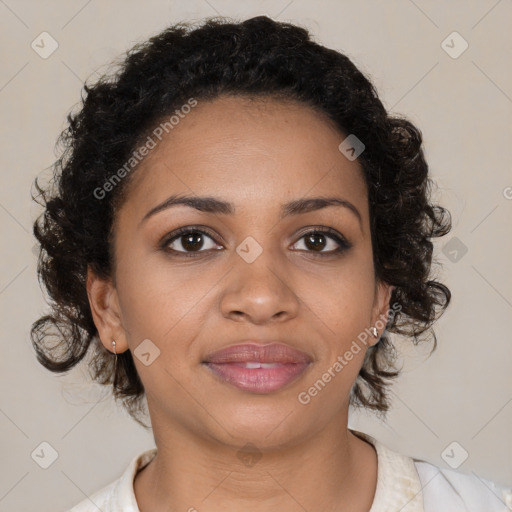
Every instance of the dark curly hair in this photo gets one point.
(256, 57)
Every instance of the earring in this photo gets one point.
(115, 362)
(374, 332)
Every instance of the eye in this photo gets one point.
(318, 239)
(188, 240)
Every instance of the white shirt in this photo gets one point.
(404, 484)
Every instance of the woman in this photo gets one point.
(237, 227)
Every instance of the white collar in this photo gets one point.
(398, 482)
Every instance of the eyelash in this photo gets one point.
(329, 232)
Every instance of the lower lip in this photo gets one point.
(258, 380)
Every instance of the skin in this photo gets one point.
(256, 154)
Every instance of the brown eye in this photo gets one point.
(187, 241)
(317, 240)
(194, 241)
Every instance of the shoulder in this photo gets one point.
(118, 495)
(413, 485)
(448, 490)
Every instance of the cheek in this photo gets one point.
(344, 297)
(161, 302)
(342, 307)
(165, 308)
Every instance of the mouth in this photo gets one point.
(258, 368)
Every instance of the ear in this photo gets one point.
(380, 309)
(106, 312)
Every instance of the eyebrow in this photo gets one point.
(209, 204)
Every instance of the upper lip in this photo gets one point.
(256, 352)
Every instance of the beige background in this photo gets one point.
(463, 106)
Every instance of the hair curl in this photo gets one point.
(257, 57)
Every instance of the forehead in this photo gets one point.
(246, 150)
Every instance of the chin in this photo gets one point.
(265, 425)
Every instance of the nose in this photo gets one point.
(259, 292)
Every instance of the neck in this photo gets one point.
(333, 468)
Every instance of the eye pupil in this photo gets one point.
(192, 241)
(312, 241)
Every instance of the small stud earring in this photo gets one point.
(374, 332)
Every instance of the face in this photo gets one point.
(248, 270)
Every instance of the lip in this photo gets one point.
(274, 365)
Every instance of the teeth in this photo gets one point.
(261, 365)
